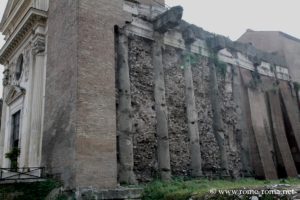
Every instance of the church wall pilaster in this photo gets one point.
(37, 101)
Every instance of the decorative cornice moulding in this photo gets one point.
(32, 17)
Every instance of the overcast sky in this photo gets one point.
(2, 8)
(232, 17)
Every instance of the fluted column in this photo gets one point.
(26, 129)
(3, 120)
(37, 102)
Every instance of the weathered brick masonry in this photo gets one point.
(80, 97)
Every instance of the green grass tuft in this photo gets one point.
(183, 190)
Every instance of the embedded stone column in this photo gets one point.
(277, 123)
(126, 174)
(218, 128)
(37, 102)
(261, 129)
(191, 110)
(3, 118)
(291, 108)
(192, 118)
(243, 132)
(161, 25)
(2, 135)
(163, 151)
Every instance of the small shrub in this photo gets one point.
(28, 191)
(13, 157)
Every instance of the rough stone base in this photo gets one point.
(119, 193)
(21, 181)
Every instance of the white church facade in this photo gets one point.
(59, 110)
(24, 57)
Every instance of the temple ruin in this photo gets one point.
(99, 93)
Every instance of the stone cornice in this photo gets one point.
(13, 13)
(32, 17)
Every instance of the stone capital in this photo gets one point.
(5, 80)
(38, 45)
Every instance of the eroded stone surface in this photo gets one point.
(141, 75)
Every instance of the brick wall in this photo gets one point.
(79, 143)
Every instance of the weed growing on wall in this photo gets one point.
(221, 67)
(256, 79)
(193, 59)
(296, 86)
(190, 58)
(273, 68)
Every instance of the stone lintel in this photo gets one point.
(168, 20)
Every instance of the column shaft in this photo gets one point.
(26, 129)
(192, 118)
(163, 150)
(126, 162)
(218, 127)
(3, 125)
(37, 106)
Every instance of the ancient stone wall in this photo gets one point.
(234, 121)
(172, 115)
(229, 118)
(141, 77)
(144, 121)
(209, 147)
(83, 124)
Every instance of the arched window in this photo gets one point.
(19, 67)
